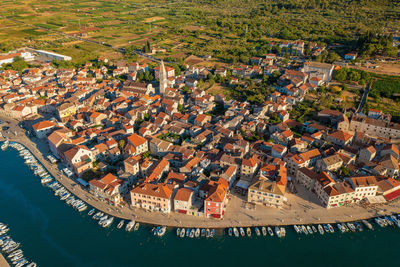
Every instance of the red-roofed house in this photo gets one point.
(43, 128)
(136, 145)
(108, 188)
(214, 203)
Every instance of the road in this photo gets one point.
(364, 97)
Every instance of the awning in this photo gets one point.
(393, 195)
(243, 184)
(82, 182)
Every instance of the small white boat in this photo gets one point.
(367, 224)
(270, 232)
(235, 232)
(162, 231)
(197, 233)
(130, 226)
(136, 227)
(257, 230)
(120, 224)
(264, 231)
(282, 232)
(277, 231)
(320, 229)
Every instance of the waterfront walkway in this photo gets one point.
(302, 208)
(3, 262)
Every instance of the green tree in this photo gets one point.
(121, 144)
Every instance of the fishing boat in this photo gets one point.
(108, 222)
(203, 232)
(282, 232)
(277, 231)
(367, 224)
(264, 231)
(358, 226)
(212, 232)
(242, 232)
(314, 229)
(178, 231)
(379, 222)
(136, 227)
(230, 231)
(192, 231)
(182, 234)
(388, 220)
(235, 232)
(310, 231)
(270, 232)
(296, 228)
(351, 227)
(208, 233)
(346, 229)
(120, 224)
(303, 227)
(188, 232)
(197, 233)
(331, 228)
(161, 231)
(320, 229)
(248, 232)
(129, 226)
(326, 228)
(257, 230)
(91, 212)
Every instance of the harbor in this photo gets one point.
(50, 231)
(12, 249)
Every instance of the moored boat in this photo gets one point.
(320, 229)
(331, 228)
(304, 229)
(197, 233)
(120, 224)
(242, 233)
(367, 224)
(248, 232)
(277, 231)
(283, 232)
(314, 229)
(235, 232)
(230, 231)
(310, 231)
(129, 226)
(264, 231)
(270, 232)
(136, 227)
(358, 226)
(91, 212)
(182, 233)
(161, 231)
(257, 230)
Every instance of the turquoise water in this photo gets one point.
(54, 234)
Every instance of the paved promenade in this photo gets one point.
(3, 262)
(302, 208)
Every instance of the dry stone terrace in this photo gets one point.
(138, 144)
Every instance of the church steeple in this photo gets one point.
(163, 78)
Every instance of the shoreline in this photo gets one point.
(168, 219)
(304, 207)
